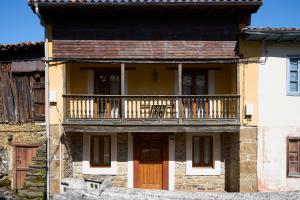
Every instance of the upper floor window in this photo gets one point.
(293, 157)
(194, 82)
(294, 76)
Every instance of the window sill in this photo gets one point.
(293, 94)
(87, 169)
(203, 171)
(293, 176)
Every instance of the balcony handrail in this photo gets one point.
(170, 96)
(186, 107)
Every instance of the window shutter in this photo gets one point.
(294, 157)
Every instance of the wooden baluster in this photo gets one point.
(136, 108)
(113, 108)
(128, 111)
(189, 108)
(77, 107)
(131, 107)
(72, 108)
(226, 108)
(101, 107)
(197, 108)
(230, 107)
(233, 107)
(215, 106)
(200, 107)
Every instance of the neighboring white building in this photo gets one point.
(279, 109)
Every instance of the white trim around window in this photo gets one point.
(87, 169)
(203, 171)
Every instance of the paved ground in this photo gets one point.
(137, 194)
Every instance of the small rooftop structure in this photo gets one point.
(277, 35)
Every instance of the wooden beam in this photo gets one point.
(150, 129)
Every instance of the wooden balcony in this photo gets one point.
(151, 110)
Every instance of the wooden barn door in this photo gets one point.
(151, 162)
(23, 159)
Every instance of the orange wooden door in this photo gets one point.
(23, 157)
(150, 163)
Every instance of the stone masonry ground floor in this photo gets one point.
(211, 161)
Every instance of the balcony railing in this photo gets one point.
(149, 107)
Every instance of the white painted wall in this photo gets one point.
(279, 117)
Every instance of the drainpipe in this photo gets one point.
(47, 116)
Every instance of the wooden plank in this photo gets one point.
(105, 49)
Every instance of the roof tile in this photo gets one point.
(4, 47)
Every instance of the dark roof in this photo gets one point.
(268, 34)
(21, 51)
(147, 2)
(18, 46)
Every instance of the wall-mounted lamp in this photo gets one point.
(154, 75)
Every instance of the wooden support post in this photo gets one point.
(180, 92)
(123, 92)
(65, 109)
(238, 89)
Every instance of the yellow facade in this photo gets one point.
(249, 75)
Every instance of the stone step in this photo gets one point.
(41, 189)
(35, 173)
(42, 157)
(35, 184)
(30, 194)
(37, 167)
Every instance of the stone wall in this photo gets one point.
(229, 178)
(192, 183)
(73, 156)
(4, 180)
(248, 159)
(10, 135)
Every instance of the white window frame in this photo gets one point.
(203, 171)
(290, 93)
(86, 167)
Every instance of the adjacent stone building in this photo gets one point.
(22, 110)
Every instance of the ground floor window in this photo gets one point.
(100, 151)
(293, 157)
(203, 154)
(202, 151)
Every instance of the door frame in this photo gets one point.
(15, 146)
(165, 159)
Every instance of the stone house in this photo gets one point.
(279, 106)
(22, 105)
(152, 94)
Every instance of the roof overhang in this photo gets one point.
(146, 2)
(272, 35)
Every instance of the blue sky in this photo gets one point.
(19, 24)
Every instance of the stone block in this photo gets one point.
(248, 186)
(248, 167)
(248, 148)
(54, 186)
